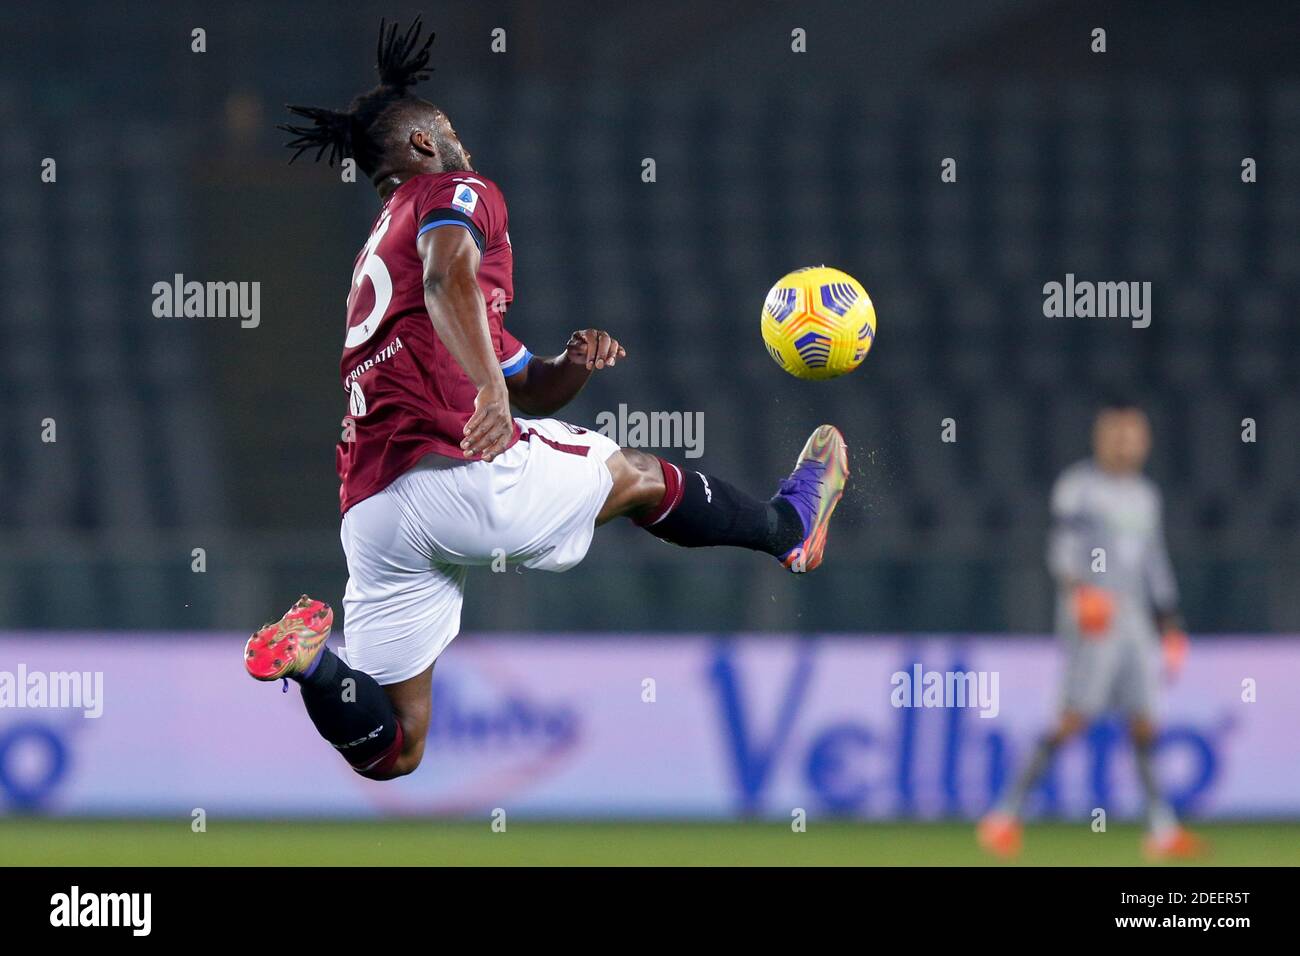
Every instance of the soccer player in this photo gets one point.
(437, 475)
(1117, 608)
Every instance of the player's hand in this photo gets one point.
(592, 349)
(1093, 609)
(1173, 646)
(490, 428)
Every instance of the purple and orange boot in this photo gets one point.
(814, 488)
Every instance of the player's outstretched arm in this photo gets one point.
(544, 386)
(455, 304)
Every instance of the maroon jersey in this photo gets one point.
(407, 396)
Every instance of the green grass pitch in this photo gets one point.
(48, 842)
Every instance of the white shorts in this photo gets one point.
(1119, 672)
(409, 546)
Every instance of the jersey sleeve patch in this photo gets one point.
(517, 362)
(451, 217)
(464, 199)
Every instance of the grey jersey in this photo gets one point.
(1099, 516)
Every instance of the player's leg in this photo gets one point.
(352, 711)
(1137, 698)
(1165, 837)
(379, 729)
(412, 702)
(1000, 830)
(371, 707)
(694, 510)
(1160, 816)
(402, 606)
(1136, 693)
(1068, 725)
(348, 707)
(638, 485)
(1086, 689)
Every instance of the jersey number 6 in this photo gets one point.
(372, 267)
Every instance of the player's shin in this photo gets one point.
(701, 510)
(1014, 801)
(353, 713)
(1160, 816)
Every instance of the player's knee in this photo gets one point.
(407, 761)
(412, 744)
(638, 482)
(411, 757)
(645, 473)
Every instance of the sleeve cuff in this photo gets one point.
(516, 363)
(451, 217)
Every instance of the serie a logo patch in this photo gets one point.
(465, 200)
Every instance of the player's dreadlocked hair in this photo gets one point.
(362, 131)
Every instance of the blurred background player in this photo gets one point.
(1117, 609)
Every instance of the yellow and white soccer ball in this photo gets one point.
(818, 323)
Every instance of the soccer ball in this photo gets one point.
(818, 323)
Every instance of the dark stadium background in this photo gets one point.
(180, 434)
(175, 434)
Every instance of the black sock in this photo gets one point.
(352, 712)
(711, 511)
